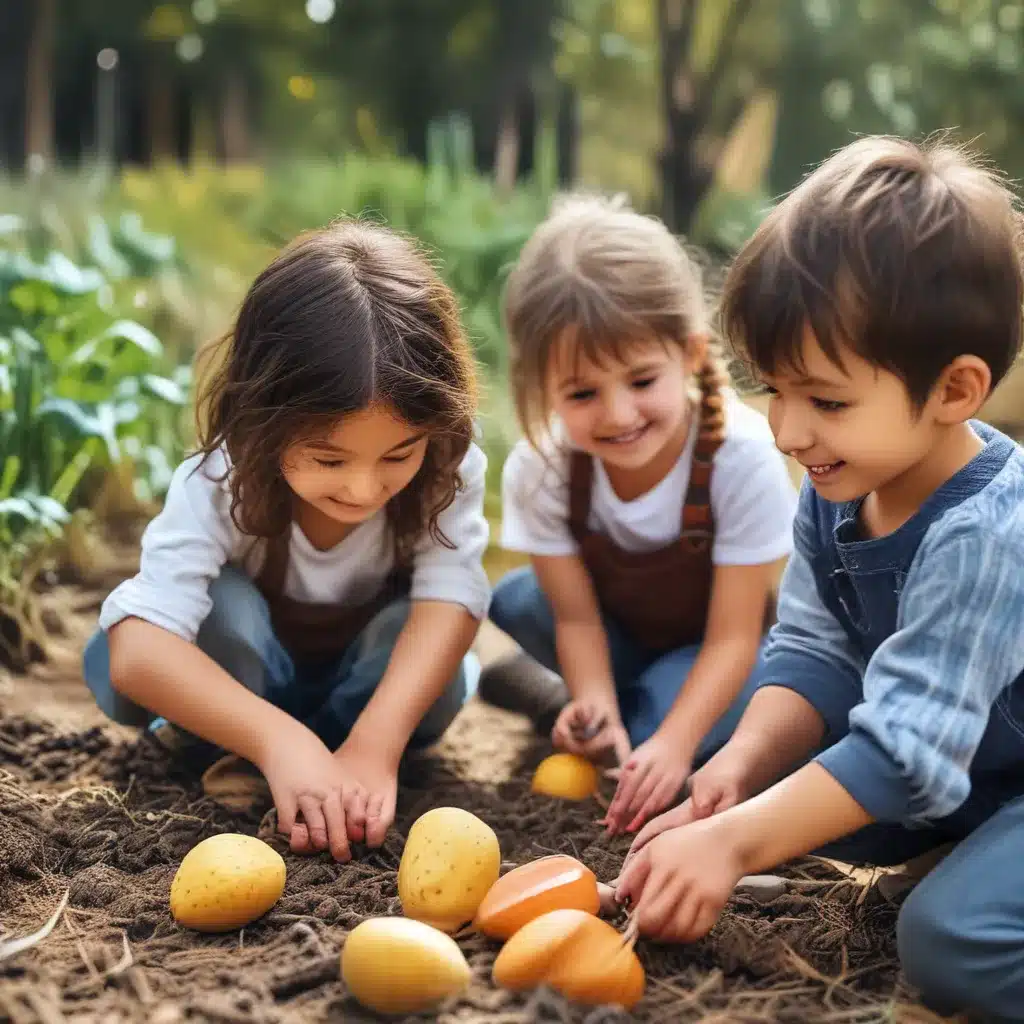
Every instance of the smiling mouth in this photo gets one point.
(824, 469)
(627, 438)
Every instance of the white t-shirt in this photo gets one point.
(187, 543)
(753, 499)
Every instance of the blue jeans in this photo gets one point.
(960, 932)
(647, 682)
(328, 696)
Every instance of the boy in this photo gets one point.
(880, 303)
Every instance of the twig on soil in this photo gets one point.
(12, 947)
(126, 961)
(45, 1010)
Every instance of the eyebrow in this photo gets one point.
(326, 446)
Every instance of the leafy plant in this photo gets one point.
(83, 392)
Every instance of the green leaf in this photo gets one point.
(72, 414)
(141, 337)
(164, 388)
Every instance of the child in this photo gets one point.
(309, 593)
(881, 303)
(653, 510)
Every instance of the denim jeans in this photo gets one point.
(328, 695)
(647, 682)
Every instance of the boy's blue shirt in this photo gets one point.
(911, 646)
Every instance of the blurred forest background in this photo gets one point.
(153, 155)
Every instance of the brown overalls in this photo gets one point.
(312, 630)
(660, 597)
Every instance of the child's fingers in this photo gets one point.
(661, 795)
(337, 835)
(286, 811)
(629, 783)
(313, 819)
(299, 841)
(355, 813)
(642, 796)
(632, 878)
(376, 825)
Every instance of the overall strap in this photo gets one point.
(581, 478)
(271, 576)
(697, 527)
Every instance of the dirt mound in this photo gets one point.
(108, 821)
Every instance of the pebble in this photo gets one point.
(763, 888)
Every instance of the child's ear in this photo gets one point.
(696, 351)
(962, 389)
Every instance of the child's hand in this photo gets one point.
(649, 781)
(680, 881)
(372, 809)
(370, 798)
(590, 727)
(718, 785)
(675, 817)
(304, 777)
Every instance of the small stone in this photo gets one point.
(763, 888)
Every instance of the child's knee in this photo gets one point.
(518, 604)
(949, 954)
(96, 672)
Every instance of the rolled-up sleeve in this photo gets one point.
(456, 574)
(929, 688)
(183, 550)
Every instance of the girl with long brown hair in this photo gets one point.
(308, 595)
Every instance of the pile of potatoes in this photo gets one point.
(545, 912)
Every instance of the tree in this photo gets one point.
(713, 55)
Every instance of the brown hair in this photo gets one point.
(611, 274)
(908, 254)
(343, 317)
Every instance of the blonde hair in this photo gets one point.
(611, 274)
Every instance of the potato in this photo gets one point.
(225, 882)
(565, 776)
(451, 858)
(526, 892)
(397, 965)
(575, 953)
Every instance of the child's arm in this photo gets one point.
(171, 677)
(450, 592)
(754, 501)
(152, 621)
(583, 656)
(929, 690)
(654, 774)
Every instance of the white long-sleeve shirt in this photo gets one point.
(188, 542)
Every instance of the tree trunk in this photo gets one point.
(39, 85)
(162, 132)
(506, 150)
(234, 118)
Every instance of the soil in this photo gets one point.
(104, 815)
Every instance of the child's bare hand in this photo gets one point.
(718, 785)
(589, 728)
(649, 781)
(306, 779)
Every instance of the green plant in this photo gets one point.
(83, 392)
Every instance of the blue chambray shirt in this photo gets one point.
(911, 646)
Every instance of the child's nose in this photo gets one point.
(792, 431)
(363, 488)
(619, 408)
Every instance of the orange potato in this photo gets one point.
(557, 882)
(575, 953)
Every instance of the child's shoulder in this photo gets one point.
(992, 507)
(544, 465)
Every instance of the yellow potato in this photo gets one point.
(397, 965)
(450, 860)
(225, 882)
(566, 776)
